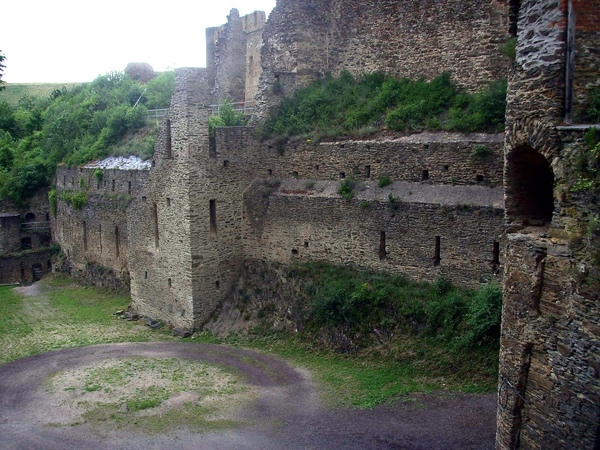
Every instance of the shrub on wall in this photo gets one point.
(228, 117)
(76, 199)
(344, 105)
(346, 189)
(384, 181)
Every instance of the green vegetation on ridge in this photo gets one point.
(74, 126)
(347, 106)
(371, 336)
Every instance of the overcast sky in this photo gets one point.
(70, 40)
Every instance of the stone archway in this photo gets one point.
(529, 183)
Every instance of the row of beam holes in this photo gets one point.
(437, 256)
(424, 173)
(97, 184)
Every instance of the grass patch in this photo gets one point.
(63, 314)
(368, 337)
(423, 345)
(152, 393)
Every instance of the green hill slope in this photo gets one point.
(15, 91)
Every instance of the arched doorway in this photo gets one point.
(529, 184)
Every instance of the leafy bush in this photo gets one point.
(481, 151)
(73, 126)
(76, 199)
(346, 189)
(228, 117)
(484, 316)
(361, 301)
(384, 181)
(509, 48)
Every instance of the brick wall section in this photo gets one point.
(102, 241)
(550, 349)
(310, 38)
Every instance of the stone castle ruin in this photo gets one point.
(180, 230)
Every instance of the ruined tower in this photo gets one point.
(550, 352)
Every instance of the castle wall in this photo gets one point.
(96, 236)
(10, 233)
(398, 237)
(587, 55)
(550, 356)
(176, 259)
(308, 39)
(448, 158)
(24, 268)
(298, 214)
(233, 57)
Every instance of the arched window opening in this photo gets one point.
(529, 185)
(29, 217)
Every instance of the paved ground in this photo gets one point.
(287, 414)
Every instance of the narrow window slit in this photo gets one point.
(437, 251)
(382, 246)
(213, 217)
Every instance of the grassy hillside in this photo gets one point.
(15, 91)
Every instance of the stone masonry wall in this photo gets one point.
(233, 56)
(181, 264)
(448, 158)
(19, 269)
(10, 233)
(96, 236)
(587, 56)
(310, 38)
(297, 227)
(550, 352)
(298, 215)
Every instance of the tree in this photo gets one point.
(2, 66)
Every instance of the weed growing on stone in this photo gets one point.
(384, 181)
(346, 189)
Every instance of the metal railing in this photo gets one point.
(246, 107)
(156, 113)
(35, 226)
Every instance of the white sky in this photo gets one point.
(77, 40)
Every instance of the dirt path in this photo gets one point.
(285, 413)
